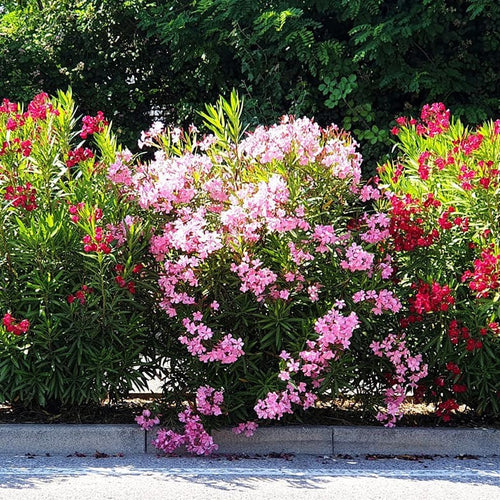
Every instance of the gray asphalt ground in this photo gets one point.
(252, 477)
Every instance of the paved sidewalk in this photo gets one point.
(64, 439)
(256, 477)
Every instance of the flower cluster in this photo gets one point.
(430, 298)
(120, 280)
(75, 210)
(16, 146)
(407, 227)
(78, 155)
(446, 408)
(227, 350)
(93, 125)
(377, 228)
(301, 137)
(357, 259)
(434, 120)
(22, 196)
(195, 438)
(38, 109)
(12, 326)
(485, 278)
(277, 403)
(208, 400)
(254, 277)
(146, 420)
(80, 295)
(119, 172)
(8, 107)
(470, 144)
(445, 222)
(246, 428)
(408, 370)
(457, 333)
(334, 332)
(98, 242)
(384, 300)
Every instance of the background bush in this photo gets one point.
(352, 62)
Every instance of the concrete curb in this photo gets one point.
(360, 440)
(58, 439)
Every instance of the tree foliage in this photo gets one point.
(92, 46)
(357, 63)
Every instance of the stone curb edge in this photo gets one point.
(56, 439)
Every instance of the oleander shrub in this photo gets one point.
(275, 274)
(443, 198)
(72, 327)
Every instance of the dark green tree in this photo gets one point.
(356, 63)
(93, 46)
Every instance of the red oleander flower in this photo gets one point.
(407, 226)
(446, 408)
(22, 196)
(10, 324)
(93, 124)
(78, 155)
(453, 368)
(430, 298)
(485, 278)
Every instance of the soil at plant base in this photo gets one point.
(334, 413)
(117, 413)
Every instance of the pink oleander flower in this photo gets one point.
(227, 351)
(168, 441)
(357, 259)
(408, 371)
(254, 277)
(208, 400)
(120, 173)
(147, 137)
(369, 193)
(276, 404)
(324, 235)
(385, 301)
(147, 421)
(313, 292)
(195, 438)
(378, 228)
(273, 406)
(335, 329)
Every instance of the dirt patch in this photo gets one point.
(120, 413)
